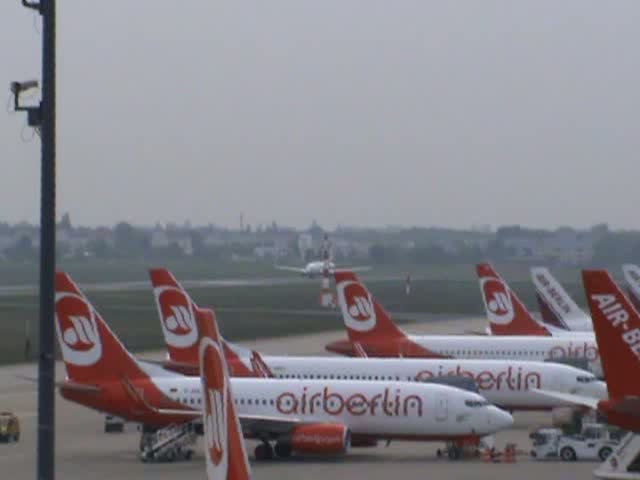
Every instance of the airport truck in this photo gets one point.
(594, 442)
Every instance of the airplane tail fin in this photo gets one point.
(632, 277)
(225, 454)
(177, 317)
(506, 313)
(617, 327)
(556, 305)
(364, 318)
(90, 350)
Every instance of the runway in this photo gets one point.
(84, 451)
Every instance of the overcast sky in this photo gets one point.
(366, 112)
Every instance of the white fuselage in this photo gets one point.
(380, 409)
(577, 331)
(317, 268)
(507, 385)
(576, 347)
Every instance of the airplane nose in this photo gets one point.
(596, 390)
(499, 419)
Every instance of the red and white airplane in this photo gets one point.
(371, 330)
(318, 268)
(224, 450)
(508, 386)
(307, 416)
(557, 308)
(508, 315)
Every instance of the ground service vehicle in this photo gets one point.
(594, 442)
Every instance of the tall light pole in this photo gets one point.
(43, 117)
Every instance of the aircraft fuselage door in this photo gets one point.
(442, 407)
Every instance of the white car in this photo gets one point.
(594, 442)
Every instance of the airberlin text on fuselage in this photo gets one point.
(575, 350)
(390, 402)
(510, 378)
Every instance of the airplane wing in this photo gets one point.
(570, 398)
(177, 367)
(290, 269)
(253, 425)
(256, 424)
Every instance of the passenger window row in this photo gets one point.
(339, 377)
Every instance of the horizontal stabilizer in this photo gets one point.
(78, 387)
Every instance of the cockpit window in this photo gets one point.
(586, 379)
(476, 403)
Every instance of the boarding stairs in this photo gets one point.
(169, 444)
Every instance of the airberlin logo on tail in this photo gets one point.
(178, 318)
(497, 300)
(214, 386)
(77, 330)
(619, 318)
(357, 306)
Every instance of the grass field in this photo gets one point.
(254, 312)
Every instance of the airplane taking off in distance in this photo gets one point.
(508, 315)
(508, 386)
(318, 268)
(324, 416)
(371, 330)
(557, 308)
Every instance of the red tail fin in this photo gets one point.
(90, 350)
(177, 317)
(506, 313)
(617, 327)
(363, 316)
(225, 453)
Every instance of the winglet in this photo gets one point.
(506, 313)
(225, 454)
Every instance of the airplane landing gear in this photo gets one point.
(264, 451)
(283, 450)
